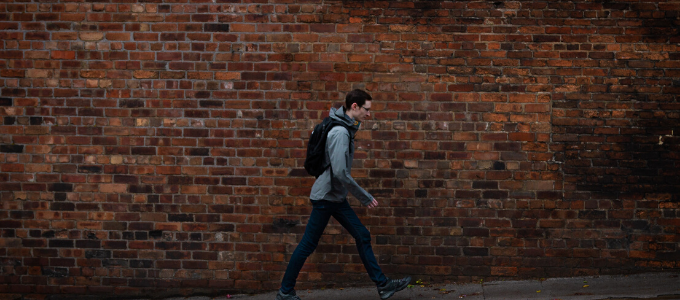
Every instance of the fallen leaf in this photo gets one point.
(585, 286)
(538, 291)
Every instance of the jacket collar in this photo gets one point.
(341, 116)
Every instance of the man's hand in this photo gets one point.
(373, 204)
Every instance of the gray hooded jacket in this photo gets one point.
(334, 187)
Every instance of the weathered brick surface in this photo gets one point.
(157, 147)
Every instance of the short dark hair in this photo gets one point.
(356, 96)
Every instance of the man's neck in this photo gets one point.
(350, 115)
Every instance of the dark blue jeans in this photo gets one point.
(321, 213)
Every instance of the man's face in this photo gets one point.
(361, 113)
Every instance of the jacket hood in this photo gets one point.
(340, 115)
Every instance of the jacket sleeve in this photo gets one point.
(338, 150)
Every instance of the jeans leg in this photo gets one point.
(315, 227)
(348, 219)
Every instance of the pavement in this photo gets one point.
(639, 286)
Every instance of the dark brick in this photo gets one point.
(141, 235)
(143, 150)
(131, 103)
(98, 254)
(234, 181)
(548, 195)
(35, 120)
(223, 227)
(635, 224)
(156, 234)
(485, 185)
(197, 113)
(495, 194)
(141, 189)
(129, 179)
(117, 226)
(60, 187)
(54, 272)
(33, 243)
(4, 101)
(180, 218)
(211, 103)
(198, 151)
(476, 232)
(23, 214)
(61, 244)
(62, 206)
(216, 27)
(193, 246)
(59, 196)
(180, 180)
(12, 148)
(141, 263)
(668, 256)
(475, 251)
(128, 235)
(115, 263)
(168, 246)
(142, 283)
(89, 169)
(196, 236)
(592, 214)
(196, 132)
(448, 251)
(114, 244)
(298, 173)
(88, 244)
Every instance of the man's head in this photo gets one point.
(358, 105)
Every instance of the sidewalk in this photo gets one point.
(640, 286)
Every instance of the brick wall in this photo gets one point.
(155, 147)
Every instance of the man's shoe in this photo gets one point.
(393, 286)
(291, 296)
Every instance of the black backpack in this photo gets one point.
(316, 148)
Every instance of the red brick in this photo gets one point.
(167, 142)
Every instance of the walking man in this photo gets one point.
(329, 198)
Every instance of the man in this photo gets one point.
(329, 198)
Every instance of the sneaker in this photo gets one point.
(291, 296)
(393, 286)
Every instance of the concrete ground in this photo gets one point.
(640, 286)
